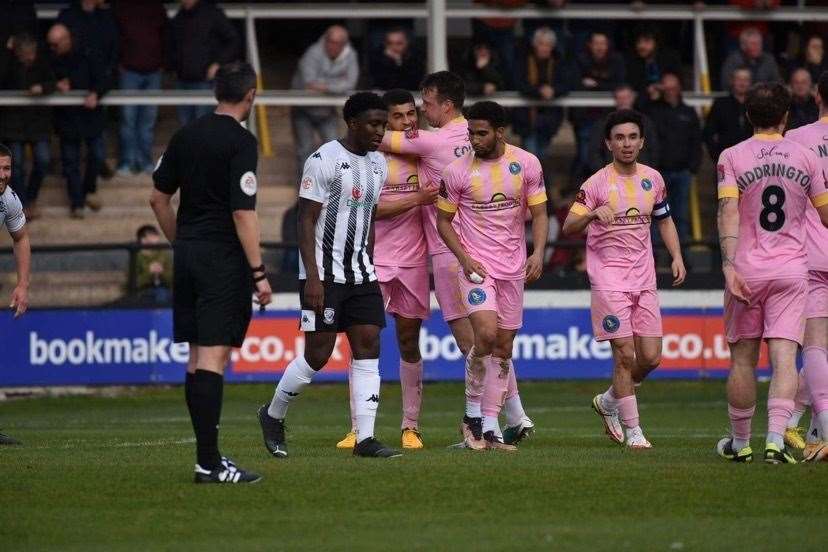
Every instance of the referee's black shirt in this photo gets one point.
(213, 160)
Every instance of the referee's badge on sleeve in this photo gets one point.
(308, 323)
(248, 183)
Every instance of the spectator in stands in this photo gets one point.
(153, 268)
(761, 64)
(142, 25)
(32, 126)
(727, 123)
(541, 76)
(804, 109)
(201, 39)
(482, 71)
(596, 69)
(19, 18)
(499, 33)
(290, 234)
(599, 156)
(328, 66)
(678, 131)
(75, 69)
(648, 62)
(812, 58)
(396, 65)
(95, 32)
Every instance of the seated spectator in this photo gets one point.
(678, 132)
(142, 26)
(598, 69)
(648, 62)
(812, 58)
(75, 69)
(727, 123)
(329, 66)
(804, 109)
(482, 71)
(762, 66)
(541, 76)
(499, 33)
(396, 65)
(599, 155)
(201, 39)
(153, 268)
(32, 126)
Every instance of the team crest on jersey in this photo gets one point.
(443, 191)
(328, 316)
(581, 197)
(647, 184)
(611, 323)
(514, 167)
(477, 296)
(356, 193)
(248, 183)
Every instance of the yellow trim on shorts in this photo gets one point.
(446, 205)
(820, 200)
(537, 199)
(579, 209)
(728, 191)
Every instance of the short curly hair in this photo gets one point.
(361, 102)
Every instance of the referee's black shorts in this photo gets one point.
(345, 305)
(212, 293)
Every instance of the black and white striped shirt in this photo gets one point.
(348, 187)
(11, 211)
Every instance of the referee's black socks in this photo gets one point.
(203, 391)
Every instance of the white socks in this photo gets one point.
(776, 438)
(608, 400)
(365, 387)
(297, 375)
(513, 409)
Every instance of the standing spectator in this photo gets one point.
(727, 123)
(142, 24)
(762, 66)
(648, 63)
(678, 132)
(396, 65)
(31, 125)
(804, 109)
(482, 71)
(328, 66)
(812, 58)
(599, 155)
(201, 39)
(499, 32)
(19, 18)
(540, 76)
(596, 69)
(75, 69)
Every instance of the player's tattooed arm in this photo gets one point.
(727, 218)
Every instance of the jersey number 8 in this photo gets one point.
(772, 217)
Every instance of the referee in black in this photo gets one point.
(217, 260)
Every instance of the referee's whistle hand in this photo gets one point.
(263, 292)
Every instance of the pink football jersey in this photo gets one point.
(400, 241)
(620, 254)
(490, 198)
(772, 177)
(815, 137)
(434, 149)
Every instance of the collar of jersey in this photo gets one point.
(458, 119)
(616, 174)
(824, 119)
(765, 137)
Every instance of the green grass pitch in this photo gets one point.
(100, 473)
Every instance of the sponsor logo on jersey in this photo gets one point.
(769, 152)
(411, 184)
(514, 167)
(631, 217)
(498, 202)
(646, 184)
(611, 323)
(477, 296)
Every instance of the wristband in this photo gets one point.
(258, 279)
(260, 268)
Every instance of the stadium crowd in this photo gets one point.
(97, 46)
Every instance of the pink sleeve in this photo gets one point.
(819, 186)
(586, 200)
(418, 142)
(726, 177)
(661, 188)
(535, 188)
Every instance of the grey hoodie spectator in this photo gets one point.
(762, 66)
(201, 39)
(328, 66)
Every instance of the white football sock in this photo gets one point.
(473, 410)
(739, 444)
(608, 400)
(490, 424)
(365, 385)
(776, 438)
(796, 415)
(297, 375)
(513, 409)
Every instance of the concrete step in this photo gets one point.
(65, 289)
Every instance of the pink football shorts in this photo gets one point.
(817, 304)
(776, 310)
(502, 296)
(405, 290)
(444, 267)
(617, 314)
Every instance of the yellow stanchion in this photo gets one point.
(695, 211)
(261, 121)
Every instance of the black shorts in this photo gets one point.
(212, 293)
(345, 305)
